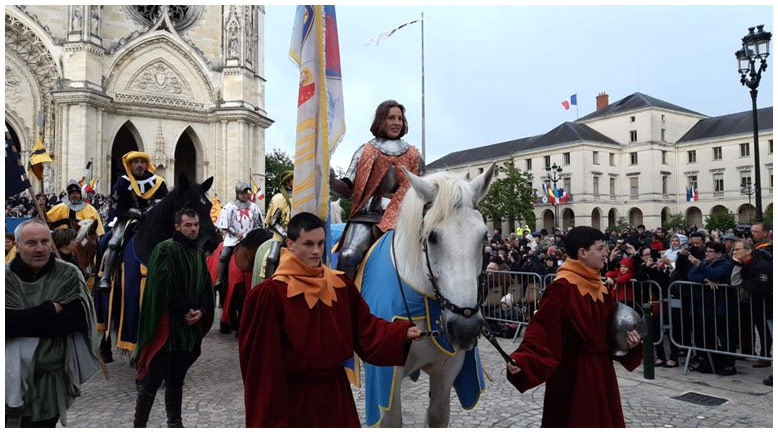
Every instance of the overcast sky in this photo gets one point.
(498, 73)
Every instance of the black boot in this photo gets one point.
(173, 399)
(143, 405)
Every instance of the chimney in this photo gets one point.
(602, 100)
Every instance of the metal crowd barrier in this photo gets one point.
(511, 298)
(719, 322)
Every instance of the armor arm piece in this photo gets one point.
(274, 223)
(351, 173)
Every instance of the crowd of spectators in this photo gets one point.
(22, 205)
(732, 290)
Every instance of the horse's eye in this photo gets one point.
(433, 238)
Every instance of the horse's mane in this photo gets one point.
(453, 192)
(83, 230)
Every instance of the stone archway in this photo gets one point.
(596, 218)
(613, 217)
(185, 159)
(746, 213)
(126, 140)
(719, 209)
(665, 216)
(14, 136)
(694, 216)
(635, 217)
(548, 220)
(568, 219)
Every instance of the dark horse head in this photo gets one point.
(157, 223)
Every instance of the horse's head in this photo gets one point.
(441, 232)
(86, 243)
(192, 195)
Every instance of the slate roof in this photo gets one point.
(634, 102)
(727, 125)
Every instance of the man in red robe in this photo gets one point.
(566, 344)
(297, 330)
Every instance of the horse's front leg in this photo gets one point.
(393, 417)
(441, 381)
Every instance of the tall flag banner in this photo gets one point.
(572, 101)
(382, 36)
(15, 181)
(320, 114)
(256, 192)
(37, 158)
(86, 181)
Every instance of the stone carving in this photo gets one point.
(159, 78)
(13, 93)
(94, 20)
(233, 29)
(76, 19)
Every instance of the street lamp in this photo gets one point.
(755, 46)
(554, 174)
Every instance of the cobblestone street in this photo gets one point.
(213, 396)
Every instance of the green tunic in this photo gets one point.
(61, 363)
(175, 272)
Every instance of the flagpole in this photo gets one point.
(576, 105)
(423, 130)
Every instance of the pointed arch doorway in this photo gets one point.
(126, 140)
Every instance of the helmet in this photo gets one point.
(241, 186)
(623, 319)
(73, 185)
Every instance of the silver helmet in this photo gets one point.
(241, 186)
(623, 319)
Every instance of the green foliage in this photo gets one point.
(510, 196)
(722, 221)
(345, 204)
(276, 163)
(621, 225)
(678, 222)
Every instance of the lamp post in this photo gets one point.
(554, 174)
(756, 46)
(745, 188)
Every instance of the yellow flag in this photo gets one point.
(37, 158)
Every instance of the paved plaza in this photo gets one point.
(213, 396)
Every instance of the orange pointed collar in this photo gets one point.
(586, 279)
(316, 283)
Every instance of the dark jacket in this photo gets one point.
(718, 271)
(758, 281)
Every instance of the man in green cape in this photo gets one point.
(176, 312)
(50, 331)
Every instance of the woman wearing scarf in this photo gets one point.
(298, 329)
(566, 343)
(676, 243)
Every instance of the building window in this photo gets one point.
(692, 156)
(745, 150)
(566, 157)
(745, 179)
(664, 184)
(663, 118)
(633, 136)
(612, 158)
(480, 170)
(566, 184)
(632, 118)
(612, 187)
(692, 181)
(718, 184)
(769, 146)
(663, 135)
(771, 178)
(547, 160)
(634, 189)
(664, 157)
(633, 158)
(529, 164)
(717, 153)
(596, 186)
(595, 157)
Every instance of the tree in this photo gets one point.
(621, 225)
(677, 221)
(276, 163)
(510, 196)
(768, 217)
(722, 221)
(345, 204)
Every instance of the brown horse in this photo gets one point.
(86, 245)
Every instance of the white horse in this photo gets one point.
(439, 211)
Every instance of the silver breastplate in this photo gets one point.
(383, 193)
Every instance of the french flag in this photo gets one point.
(573, 100)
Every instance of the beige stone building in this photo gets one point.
(183, 83)
(635, 158)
